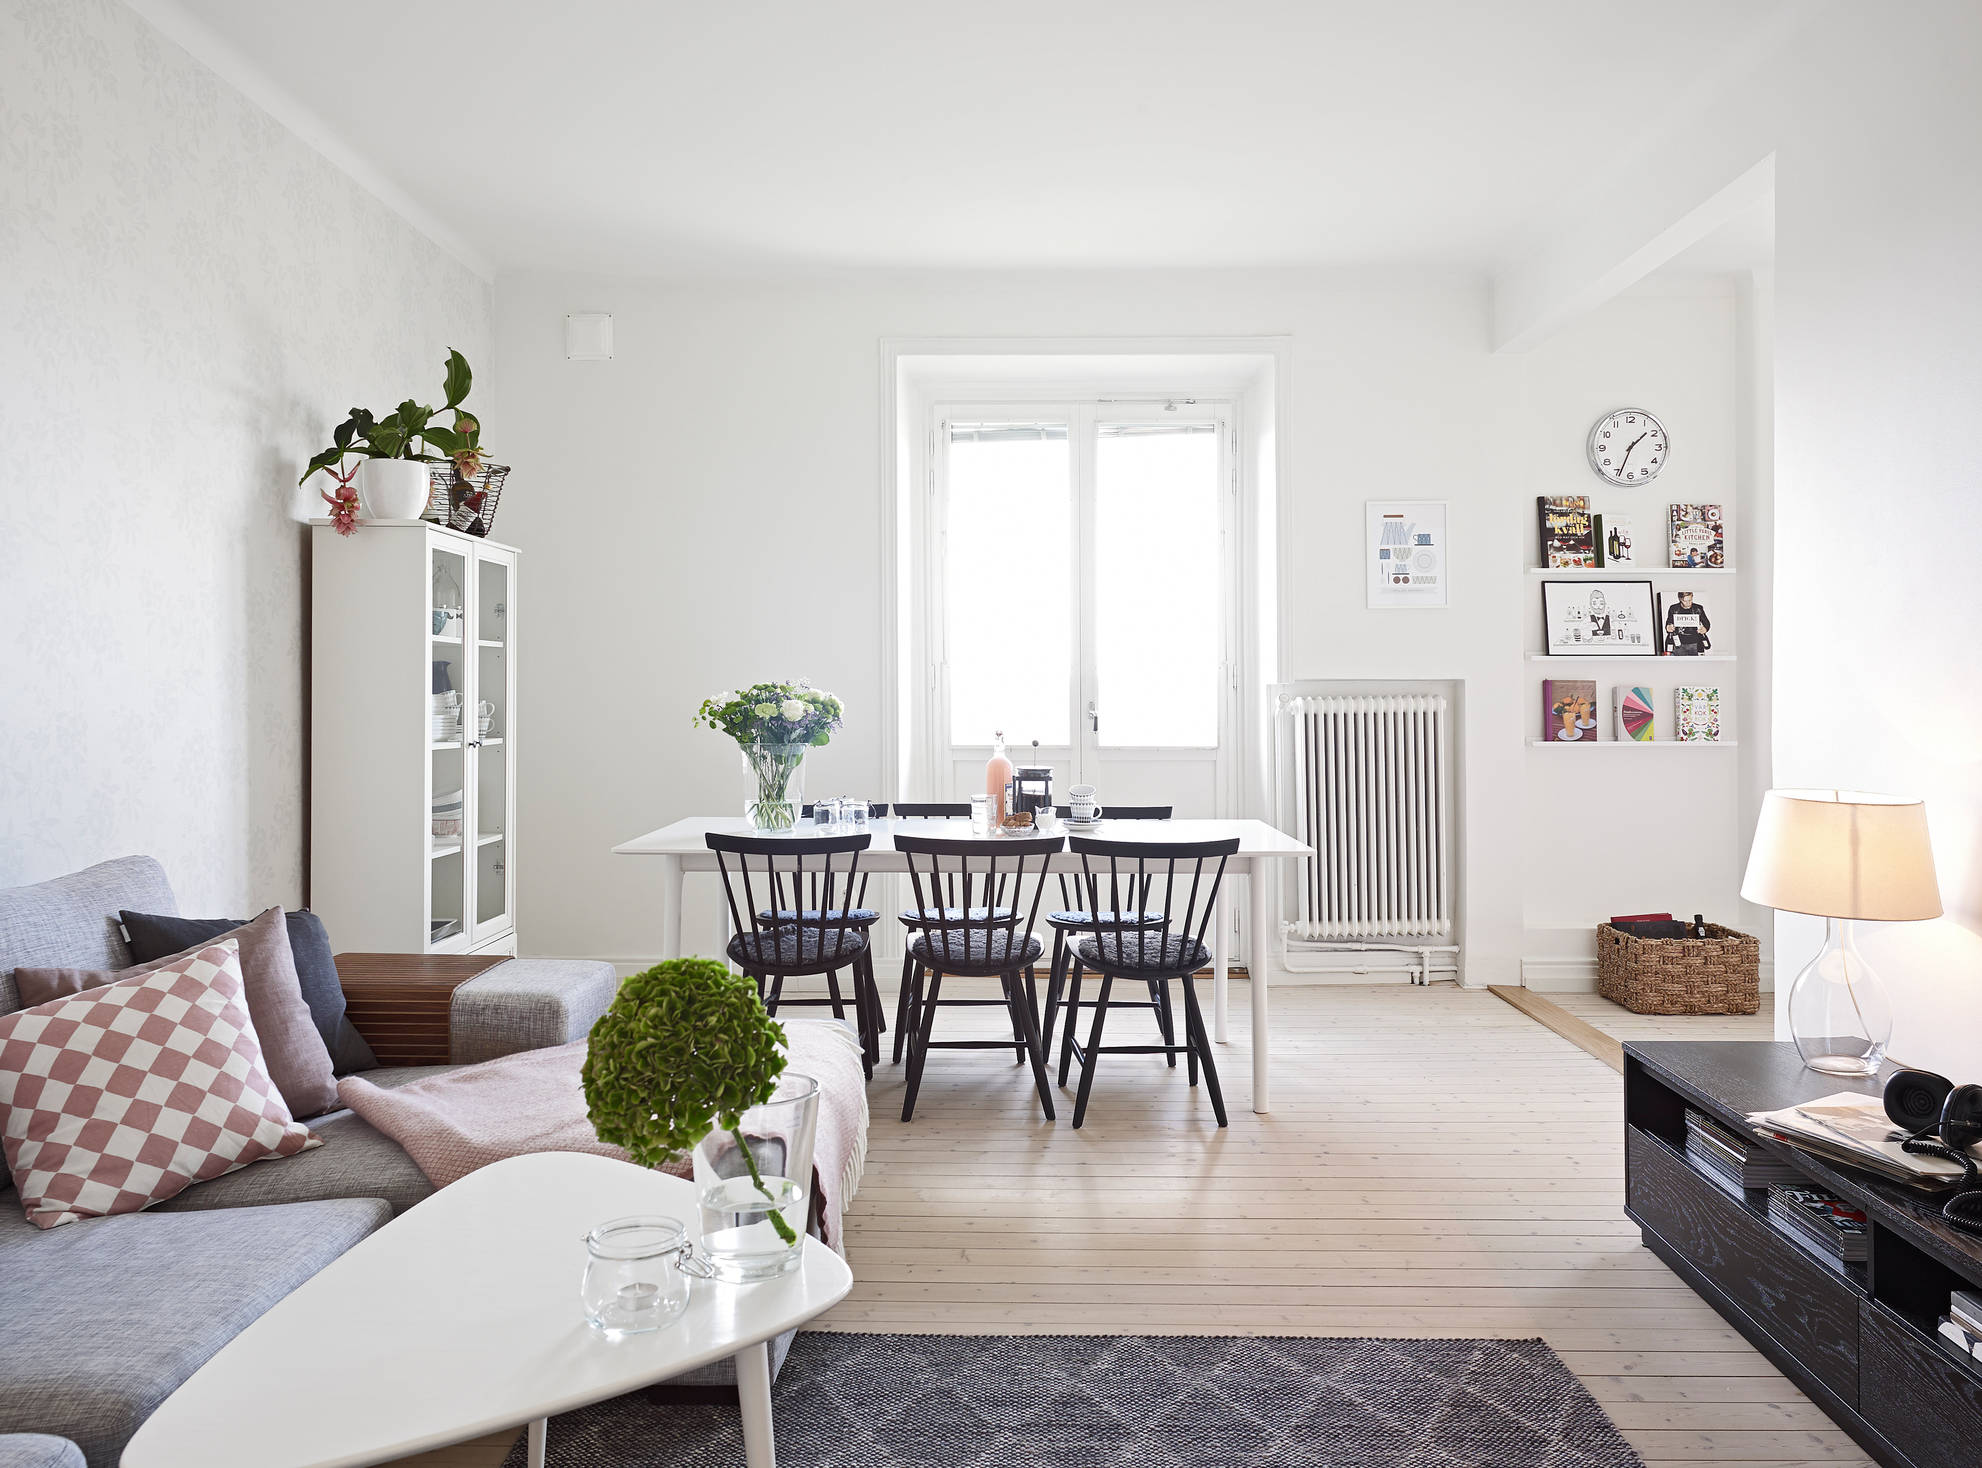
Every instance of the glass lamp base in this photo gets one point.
(1839, 1015)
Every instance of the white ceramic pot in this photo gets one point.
(394, 489)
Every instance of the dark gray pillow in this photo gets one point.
(152, 936)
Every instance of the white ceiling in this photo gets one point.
(628, 136)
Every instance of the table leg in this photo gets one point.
(753, 1395)
(670, 907)
(1220, 999)
(1258, 957)
(538, 1429)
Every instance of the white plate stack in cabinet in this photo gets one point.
(412, 809)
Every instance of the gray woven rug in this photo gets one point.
(928, 1401)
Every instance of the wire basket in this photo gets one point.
(1717, 974)
(452, 503)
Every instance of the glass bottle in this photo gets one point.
(998, 777)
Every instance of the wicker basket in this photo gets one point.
(447, 493)
(1717, 974)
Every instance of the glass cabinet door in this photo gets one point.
(448, 755)
(492, 778)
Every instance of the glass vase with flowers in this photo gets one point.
(775, 725)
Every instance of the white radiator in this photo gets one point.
(1370, 785)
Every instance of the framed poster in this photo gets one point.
(1593, 619)
(1405, 553)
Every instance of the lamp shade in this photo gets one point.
(1843, 854)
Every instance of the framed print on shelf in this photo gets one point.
(1405, 553)
(1592, 619)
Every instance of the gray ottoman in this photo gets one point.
(528, 1004)
(32, 1450)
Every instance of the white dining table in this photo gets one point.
(681, 848)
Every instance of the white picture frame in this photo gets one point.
(1406, 561)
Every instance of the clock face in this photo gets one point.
(1628, 447)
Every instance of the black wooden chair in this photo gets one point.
(1072, 918)
(911, 920)
(794, 903)
(1121, 876)
(861, 917)
(976, 923)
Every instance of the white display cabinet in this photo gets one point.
(397, 610)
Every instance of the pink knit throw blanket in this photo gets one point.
(533, 1102)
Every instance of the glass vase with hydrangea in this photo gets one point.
(775, 725)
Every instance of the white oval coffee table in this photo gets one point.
(461, 1317)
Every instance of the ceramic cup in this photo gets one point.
(1080, 803)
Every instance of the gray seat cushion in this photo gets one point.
(36, 1450)
(355, 1161)
(71, 921)
(105, 1318)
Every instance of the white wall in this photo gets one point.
(1879, 502)
(1869, 113)
(679, 501)
(189, 299)
(1636, 830)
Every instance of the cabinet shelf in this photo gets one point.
(450, 641)
(490, 839)
(451, 744)
(490, 642)
(435, 853)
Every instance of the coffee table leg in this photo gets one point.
(753, 1394)
(537, 1431)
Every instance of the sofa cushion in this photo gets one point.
(117, 1097)
(105, 1318)
(293, 1050)
(38, 1450)
(70, 921)
(355, 1161)
(527, 1004)
(154, 935)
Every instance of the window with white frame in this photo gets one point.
(1081, 594)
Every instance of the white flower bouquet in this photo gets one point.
(774, 724)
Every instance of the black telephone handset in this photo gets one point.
(1920, 1102)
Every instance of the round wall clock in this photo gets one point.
(1628, 446)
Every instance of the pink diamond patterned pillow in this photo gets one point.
(119, 1097)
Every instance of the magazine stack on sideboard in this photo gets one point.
(1859, 1338)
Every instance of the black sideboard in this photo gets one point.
(1859, 1342)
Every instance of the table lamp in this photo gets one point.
(1844, 856)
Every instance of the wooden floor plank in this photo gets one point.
(1437, 1164)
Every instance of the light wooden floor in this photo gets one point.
(1436, 1164)
(1621, 1024)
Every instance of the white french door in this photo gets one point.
(1082, 587)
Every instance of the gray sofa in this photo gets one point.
(101, 1320)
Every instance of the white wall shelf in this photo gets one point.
(1625, 657)
(1619, 573)
(1634, 743)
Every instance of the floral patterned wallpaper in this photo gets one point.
(189, 299)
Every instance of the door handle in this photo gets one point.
(1093, 717)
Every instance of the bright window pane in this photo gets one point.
(1010, 588)
(1157, 584)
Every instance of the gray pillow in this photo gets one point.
(154, 936)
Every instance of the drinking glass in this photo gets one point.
(741, 1190)
(826, 813)
(853, 815)
(634, 1278)
(980, 815)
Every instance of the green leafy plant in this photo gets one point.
(409, 432)
(685, 1048)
